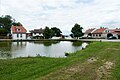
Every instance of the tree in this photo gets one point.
(56, 32)
(2, 31)
(77, 31)
(17, 24)
(47, 33)
(5, 23)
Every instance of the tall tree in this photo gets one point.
(56, 31)
(77, 31)
(47, 33)
(5, 23)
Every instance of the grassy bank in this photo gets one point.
(100, 60)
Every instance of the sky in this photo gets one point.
(35, 14)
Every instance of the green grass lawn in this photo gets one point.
(82, 65)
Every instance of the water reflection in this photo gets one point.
(46, 43)
(44, 48)
(5, 50)
(76, 43)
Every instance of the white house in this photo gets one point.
(37, 33)
(102, 33)
(18, 32)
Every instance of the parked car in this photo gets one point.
(112, 37)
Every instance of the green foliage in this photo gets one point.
(77, 30)
(2, 31)
(17, 24)
(77, 43)
(49, 43)
(6, 22)
(56, 32)
(47, 33)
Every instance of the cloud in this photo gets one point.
(63, 13)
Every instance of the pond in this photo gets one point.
(40, 48)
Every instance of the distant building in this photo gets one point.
(102, 33)
(18, 32)
(37, 33)
(29, 35)
(88, 33)
(115, 32)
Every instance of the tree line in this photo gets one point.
(7, 21)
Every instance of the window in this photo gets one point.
(106, 31)
(96, 35)
(100, 35)
(17, 35)
(20, 35)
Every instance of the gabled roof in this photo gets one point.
(117, 31)
(89, 31)
(18, 29)
(37, 30)
(101, 30)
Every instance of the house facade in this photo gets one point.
(88, 33)
(102, 33)
(37, 33)
(18, 32)
(115, 32)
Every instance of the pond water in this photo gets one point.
(32, 49)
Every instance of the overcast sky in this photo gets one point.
(63, 13)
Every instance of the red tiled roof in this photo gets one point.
(117, 31)
(18, 29)
(101, 30)
(28, 34)
(89, 30)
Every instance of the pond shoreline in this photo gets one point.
(72, 40)
(11, 40)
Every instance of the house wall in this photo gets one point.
(85, 35)
(14, 36)
(55, 37)
(115, 35)
(96, 35)
(37, 34)
(104, 36)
